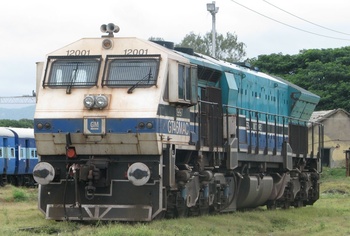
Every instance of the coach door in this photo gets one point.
(27, 155)
(5, 153)
(211, 117)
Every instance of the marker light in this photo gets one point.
(70, 152)
(149, 125)
(89, 101)
(141, 125)
(39, 125)
(107, 44)
(47, 126)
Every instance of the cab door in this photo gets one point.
(211, 117)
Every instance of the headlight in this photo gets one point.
(95, 101)
(101, 101)
(89, 101)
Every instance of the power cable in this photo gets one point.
(304, 19)
(306, 31)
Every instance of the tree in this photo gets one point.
(22, 123)
(325, 72)
(227, 47)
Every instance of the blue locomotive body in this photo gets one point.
(139, 131)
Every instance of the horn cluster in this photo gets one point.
(110, 29)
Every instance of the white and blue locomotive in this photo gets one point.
(134, 130)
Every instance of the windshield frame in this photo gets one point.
(149, 67)
(71, 83)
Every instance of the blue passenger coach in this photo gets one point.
(18, 156)
(26, 156)
(7, 154)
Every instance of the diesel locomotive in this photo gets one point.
(135, 130)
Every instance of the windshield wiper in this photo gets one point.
(72, 80)
(148, 77)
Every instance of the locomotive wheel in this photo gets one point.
(286, 205)
(201, 207)
(271, 205)
(181, 207)
(171, 206)
(182, 210)
(298, 204)
(194, 211)
(198, 210)
(204, 209)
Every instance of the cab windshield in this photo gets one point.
(137, 71)
(71, 72)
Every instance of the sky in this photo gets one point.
(31, 29)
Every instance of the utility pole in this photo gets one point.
(213, 10)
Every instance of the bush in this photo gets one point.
(332, 173)
(19, 195)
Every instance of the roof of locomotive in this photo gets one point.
(296, 87)
(221, 65)
(196, 58)
(201, 59)
(86, 42)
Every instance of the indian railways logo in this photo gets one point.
(178, 127)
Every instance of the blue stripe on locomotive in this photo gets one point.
(120, 126)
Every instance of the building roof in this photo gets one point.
(319, 116)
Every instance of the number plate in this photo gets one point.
(94, 126)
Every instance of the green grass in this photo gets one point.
(10, 193)
(330, 215)
(333, 173)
